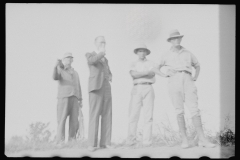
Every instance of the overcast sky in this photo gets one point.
(38, 34)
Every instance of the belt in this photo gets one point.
(185, 72)
(144, 83)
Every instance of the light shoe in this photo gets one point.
(131, 142)
(147, 144)
(206, 144)
(184, 145)
(91, 148)
(59, 143)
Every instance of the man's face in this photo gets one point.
(142, 53)
(100, 42)
(68, 60)
(176, 41)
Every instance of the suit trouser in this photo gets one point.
(100, 105)
(67, 106)
(182, 89)
(141, 96)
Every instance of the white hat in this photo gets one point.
(174, 34)
(142, 46)
(68, 54)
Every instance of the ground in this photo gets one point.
(153, 152)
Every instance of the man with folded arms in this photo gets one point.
(181, 86)
(100, 98)
(142, 96)
(69, 97)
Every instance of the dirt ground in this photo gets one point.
(153, 152)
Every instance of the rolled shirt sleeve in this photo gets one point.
(194, 61)
(153, 65)
(162, 61)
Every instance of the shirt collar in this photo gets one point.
(181, 49)
(143, 60)
(68, 68)
(96, 51)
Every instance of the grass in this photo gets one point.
(39, 139)
(17, 146)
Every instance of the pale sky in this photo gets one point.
(38, 34)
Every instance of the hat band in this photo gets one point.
(175, 34)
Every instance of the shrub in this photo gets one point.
(38, 138)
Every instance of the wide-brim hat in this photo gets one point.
(68, 54)
(142, 46)
(174, 34)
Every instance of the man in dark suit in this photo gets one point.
(100, 98)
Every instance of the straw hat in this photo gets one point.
(142, 46)
(174, 34)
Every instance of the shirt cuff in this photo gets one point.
(196, 65)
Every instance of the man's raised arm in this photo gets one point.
(94, 58)
(56, 74)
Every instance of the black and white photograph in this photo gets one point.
(106, 80)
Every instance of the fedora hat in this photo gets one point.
(142, 46)
(68, 54)
(174, 34)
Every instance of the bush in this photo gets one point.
(39, 133)
(227, 137)
(38, 138)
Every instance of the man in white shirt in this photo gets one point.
(142, 95)
(181, 86)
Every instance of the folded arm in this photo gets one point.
(146, 74)
(94, 58)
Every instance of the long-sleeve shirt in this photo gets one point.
(68, 83)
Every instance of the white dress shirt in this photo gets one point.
(143, 66)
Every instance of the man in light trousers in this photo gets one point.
(69, 97)
(142, 96)
(100, 97)
(182, 89)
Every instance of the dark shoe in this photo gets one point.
(107, 146)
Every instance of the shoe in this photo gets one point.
(147, 144)
(107, 146)
(59, 143)
(184, 145)
(206, 144)
(91, 149)
(131, 143)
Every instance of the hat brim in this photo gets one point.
(148, 51)
(174, 37)
(67, 56)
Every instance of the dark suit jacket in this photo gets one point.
(96, 68)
